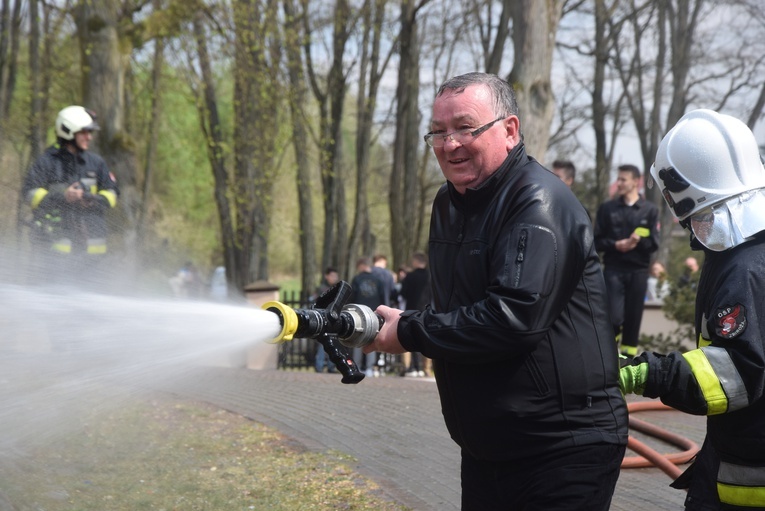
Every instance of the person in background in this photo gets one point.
(219, 284)
(381, 271)
(401, 274)
(186, 283)
(522, 350)
(657, 287)
(690, 270)
(415, 290)
(370, 291)
(330, 278)
(565, 170)
(70, 189)
(712, 178)
(627, 233)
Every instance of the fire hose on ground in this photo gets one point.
(332, 320)
(648, 457)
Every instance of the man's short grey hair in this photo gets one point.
(505, 103)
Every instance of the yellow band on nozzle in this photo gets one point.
(288, 318)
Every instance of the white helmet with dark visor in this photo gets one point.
(713, 179)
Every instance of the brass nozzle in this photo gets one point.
(288, 319)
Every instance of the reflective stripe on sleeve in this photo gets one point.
(720, 382)
(740, 485)
(36, 196)
(110, 196)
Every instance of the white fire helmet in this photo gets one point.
(73, 119)
(713, 179)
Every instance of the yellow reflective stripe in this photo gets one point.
(96, 246)
(64, 246)
(37, 195)
(728, 376)
(744, 496)
(714, 395)
(110, 196)
(629, 350)
(703, 343)
(643, 232)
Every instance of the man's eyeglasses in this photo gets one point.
(462, 137)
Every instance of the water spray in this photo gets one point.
(330, 321)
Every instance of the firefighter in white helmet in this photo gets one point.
(712, 177)
(69, 190)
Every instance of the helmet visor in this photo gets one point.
(730, 223)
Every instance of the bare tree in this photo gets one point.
(404, 182)
(371, 69)
(158, 62)
(330, 93)
(298, 100)
(533, 21)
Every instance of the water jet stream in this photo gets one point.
(66, 353)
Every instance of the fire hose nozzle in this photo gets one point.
(355, 326)
(287, 318)
(329, 321)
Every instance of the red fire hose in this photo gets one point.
(649, 457)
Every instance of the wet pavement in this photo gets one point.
(393, 427)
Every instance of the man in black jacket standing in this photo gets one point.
(627, 233)
(522, 348)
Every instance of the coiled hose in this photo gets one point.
(648, 457)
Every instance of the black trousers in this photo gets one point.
(626, 300)
(580, 478)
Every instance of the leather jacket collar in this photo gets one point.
(482, 194)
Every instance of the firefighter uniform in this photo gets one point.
(713, 179)
(722, 378)
(63, 228)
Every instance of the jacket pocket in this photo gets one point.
(531, 260)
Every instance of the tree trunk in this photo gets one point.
(404, 180)
(36, 123)
(331, 104)
(309, 274)
(533, 23)
(370, 74)
(211, 127)
(104, 60)
(153, 134)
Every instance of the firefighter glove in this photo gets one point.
(632, 378)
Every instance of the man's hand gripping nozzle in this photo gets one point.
(329, 321)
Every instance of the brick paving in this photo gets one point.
(394, 429)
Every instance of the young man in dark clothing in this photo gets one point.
(627, 233)
(369, 290)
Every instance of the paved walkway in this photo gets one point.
(394, 428)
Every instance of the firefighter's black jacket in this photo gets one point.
(44, 188)
(724, 377)
(521, 343)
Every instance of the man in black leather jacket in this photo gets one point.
(521, 343)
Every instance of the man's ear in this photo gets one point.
(512, 131)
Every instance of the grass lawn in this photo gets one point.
(171, 455)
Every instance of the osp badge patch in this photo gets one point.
(730, 321)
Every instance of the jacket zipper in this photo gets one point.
(520, 257)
